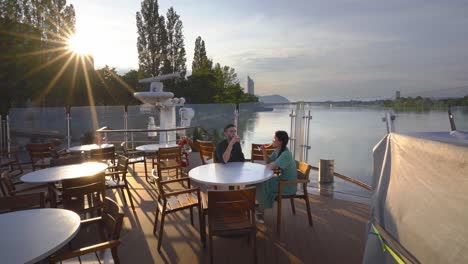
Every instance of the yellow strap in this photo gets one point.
(385, 247)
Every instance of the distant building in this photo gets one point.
(250, 86)
(397, 95)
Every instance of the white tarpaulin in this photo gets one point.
(421, 197)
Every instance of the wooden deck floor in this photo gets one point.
(337, 235)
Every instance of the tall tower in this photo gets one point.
(250, 85)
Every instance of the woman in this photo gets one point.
(281, 158)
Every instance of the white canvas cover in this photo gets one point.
(421, 197)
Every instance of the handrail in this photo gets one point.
(107, 130)
(349, 179)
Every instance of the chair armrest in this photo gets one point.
(197, 190)
(284, 182)
(42, 186)
(90, 221)
(176, 180)
(84, 250)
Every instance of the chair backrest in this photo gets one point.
(223, 204)
(207, 150)
(257, 153)
(22, 202)
(123, 145)
(41, 150)
(159, 188)
(303, 170)
(112, 217)
(173, 153)
(7, 183)
(72, 159)
(84, 195)
(101, 154)
(122, 166)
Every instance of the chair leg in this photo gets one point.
(278, 218)
(254, 246)
(191, 215)
(292, 205)
(211, 246)
(307, 202)
(146, 170)
(115, 256)
(130, 197)
(123, 196)
(156, 221)
(201, 222)
(163, 215)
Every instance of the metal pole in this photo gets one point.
(1, 135)
(8, 133)
(126, 125)
(236, 117)
(307, 147)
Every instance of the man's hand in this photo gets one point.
(235, 139)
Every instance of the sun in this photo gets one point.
(79, 44)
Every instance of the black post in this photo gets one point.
(452, 121)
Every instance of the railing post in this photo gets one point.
(292, 138)
(452, 121)
(8, 133)
(306, 145)
(126, 125)
(68, 119)
(388, 119)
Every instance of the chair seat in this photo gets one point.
(111, 183)
(180, 202)
(136, 160)
(45, 162)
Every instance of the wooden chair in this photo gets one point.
(207, 151)
(109, 225)
(169, 159)
(257, 153)
(10, 160)
(22, 202)
(8, 188)
(117, 179)
(170, 202)
(303, 171)
(84, 195)
(232, 213)
(41, 154)
(103, 154)
(134, 156)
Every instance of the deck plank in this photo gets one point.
(338, 234)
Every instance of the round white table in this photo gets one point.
(32, 235)
(84, 148)
(155, 147)
(231, 174)
(65, 172)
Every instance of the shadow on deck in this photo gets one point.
(338, 234)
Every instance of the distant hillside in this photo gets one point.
(453, 92)
(273, 99)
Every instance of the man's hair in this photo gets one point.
(228, 127)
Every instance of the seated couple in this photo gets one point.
(229, 150)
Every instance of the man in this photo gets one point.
(229, 150)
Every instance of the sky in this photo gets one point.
(304, 49)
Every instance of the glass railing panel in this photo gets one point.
(37, 125)
(422, 121)
(85, 120)
(460, 114)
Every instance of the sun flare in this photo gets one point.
(79, 44)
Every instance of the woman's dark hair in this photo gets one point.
(284, 138)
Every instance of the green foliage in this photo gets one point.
(176, 47)
(201, 64)
(424, 104)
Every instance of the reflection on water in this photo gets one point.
(344, 134)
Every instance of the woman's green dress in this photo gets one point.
(268, 190)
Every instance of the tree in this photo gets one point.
(201, 63)
(151, 38)
(176, 46)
